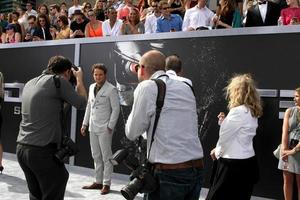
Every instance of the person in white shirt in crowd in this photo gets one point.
(111, 26)
(76, 6)
(198, 17)
(176, 152)
(151, 20)
(29, 10)
(118, 4)
(236, 168)
(174, 69)
(23, 17)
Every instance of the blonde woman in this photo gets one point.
(236, 168)
(94, 27)
(86, 6)
(289, 161)
(132, 25)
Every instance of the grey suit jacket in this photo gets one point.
(102, 111)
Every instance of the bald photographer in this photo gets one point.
(174, 151)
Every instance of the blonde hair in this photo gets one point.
(241, 90)
(298, 90)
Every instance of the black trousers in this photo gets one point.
(233, 179)
(46, 178)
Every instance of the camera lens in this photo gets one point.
(131, 190)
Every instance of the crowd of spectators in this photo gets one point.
(122, 17)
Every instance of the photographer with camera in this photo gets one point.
(40, 135)
(175, 152)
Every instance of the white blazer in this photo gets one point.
(102, 110)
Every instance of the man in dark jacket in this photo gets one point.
(263, 13)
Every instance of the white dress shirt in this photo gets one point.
(31, 12)
(196, 17)
(176, 137)
(263, 10)
(236, 134)
(114, 31)
(172, 74)
(151, 23)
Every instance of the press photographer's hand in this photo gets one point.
(213, 154)
(77, 73)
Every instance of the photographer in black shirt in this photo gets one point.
(40, 131)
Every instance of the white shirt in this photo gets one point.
(176, 139)
(236, 134)
(263, 10)
(72, 10)
(172, 74)
(196, 17)
(31, 12)
(114, 31)
(23, 21)
(151, 23)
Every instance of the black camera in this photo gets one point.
(73, 78)
(141, 180)
(141, 177)
(293, 143)
(67, 149)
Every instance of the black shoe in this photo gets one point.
(1, 169)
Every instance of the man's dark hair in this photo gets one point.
(173, 63)
(59, 64)
(64, 19)
(16, 13)
(110, 9)
(99, 66)
(55, 6)
(31, 17)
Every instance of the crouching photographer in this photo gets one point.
(173, 147)
(40, 141)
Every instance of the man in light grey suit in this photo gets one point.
(101, 116)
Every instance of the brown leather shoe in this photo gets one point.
(105, 190)
(93, 186)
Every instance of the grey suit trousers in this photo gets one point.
(101, 153)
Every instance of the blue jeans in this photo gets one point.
(179, 184)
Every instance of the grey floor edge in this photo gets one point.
(13, 184)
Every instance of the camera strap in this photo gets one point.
(63, 128)
(161, 87)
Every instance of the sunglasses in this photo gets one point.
(137, 66)
(165, 8)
